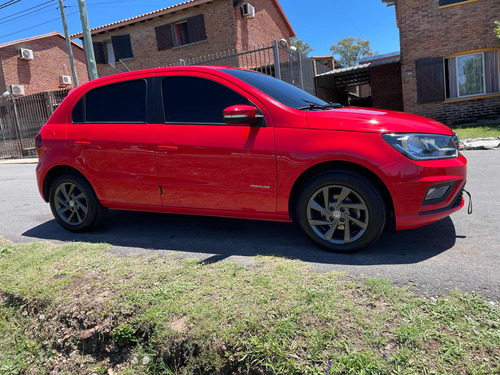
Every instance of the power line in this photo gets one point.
(24, 15)
(32, 27)
(23, 11)
(8, 3)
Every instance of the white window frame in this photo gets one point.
(483, 74)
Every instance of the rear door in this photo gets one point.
(204, 163)
(113, 140)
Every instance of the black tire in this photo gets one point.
(355, 216)
(74, 204)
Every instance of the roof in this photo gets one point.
(167, 10)
(54, 33)
(360, 74)
(323, 57)
(389, 2)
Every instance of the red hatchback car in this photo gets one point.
(236, 143)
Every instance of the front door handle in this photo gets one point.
(83, 142)
(168, 148)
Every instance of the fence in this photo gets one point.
(21, 118)
(273, 59)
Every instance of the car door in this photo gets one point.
(204, 163)
(113, 141)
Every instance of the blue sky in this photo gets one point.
(321, 23)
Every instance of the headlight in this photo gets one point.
(418, 146)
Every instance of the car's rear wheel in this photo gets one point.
(342, 211)
(74, 203)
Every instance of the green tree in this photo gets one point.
(302, 47)
(497, 29)
(351, 50)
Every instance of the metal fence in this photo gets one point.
(272, 58)
(21, 118)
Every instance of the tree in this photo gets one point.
(351, 50)
(302, 47)
(497, 29)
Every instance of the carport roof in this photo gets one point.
(360, 74)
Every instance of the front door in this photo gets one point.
(204, 163)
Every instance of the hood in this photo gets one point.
(374, 121)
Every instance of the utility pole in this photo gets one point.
(68, 44)
(87, 40)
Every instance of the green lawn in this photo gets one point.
(77, 309)
(479, 131)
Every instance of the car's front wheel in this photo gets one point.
(341, 211)
(74, 203)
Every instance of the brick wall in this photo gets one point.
(220, 36)
(426, 30)
(268, 25)
(43, 72)
(385, 81)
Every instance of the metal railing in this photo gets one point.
(271, 58)
(21, 118)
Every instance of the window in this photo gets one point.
(473, 74)
(119, 48)
(283, 92)
(173, 35)
(197, 100)
(118, 103)
(449, 2)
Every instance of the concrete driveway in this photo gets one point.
(460, 252)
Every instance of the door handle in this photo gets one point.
(167, 148)
(83, 142)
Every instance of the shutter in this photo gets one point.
(122, 47)
(164, 38)
(100, 58)
(196, 28)
(430, 79)
(448, 2)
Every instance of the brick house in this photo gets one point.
(450, 58)
(37, 64)
(187, 30)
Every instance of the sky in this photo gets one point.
(321, 23)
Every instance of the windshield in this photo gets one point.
(283, 92)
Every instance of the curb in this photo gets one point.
(19, 161)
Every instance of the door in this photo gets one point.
(203, 163)
(113, 140)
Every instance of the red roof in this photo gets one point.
(170, 9)
(54, 33)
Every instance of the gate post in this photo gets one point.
(276, 55)
(16, 123)
(301, 75)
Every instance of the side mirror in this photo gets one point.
(242, 115)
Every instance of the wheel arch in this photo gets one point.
(55, 172)
(340, 166)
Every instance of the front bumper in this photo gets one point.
(409, 181)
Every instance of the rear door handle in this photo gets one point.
(167, 148)
(83, 142)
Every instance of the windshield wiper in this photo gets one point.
(313, 106)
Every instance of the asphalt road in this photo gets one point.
(460, 252)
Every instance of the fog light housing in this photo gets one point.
(438, 193)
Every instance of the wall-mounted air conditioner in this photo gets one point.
(17, 90)
(248, 10)
(65, 80)
(25, 54)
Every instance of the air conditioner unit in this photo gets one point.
(65, 80)
(25, 54)
(17, 90)
(248, 10)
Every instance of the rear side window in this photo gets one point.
(197, 100)
(124, 102)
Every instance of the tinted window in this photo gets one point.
(283, 92)
(78, 113)
(197, 100)
(121, 102)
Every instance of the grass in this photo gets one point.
(478, 131)
(77, 309)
